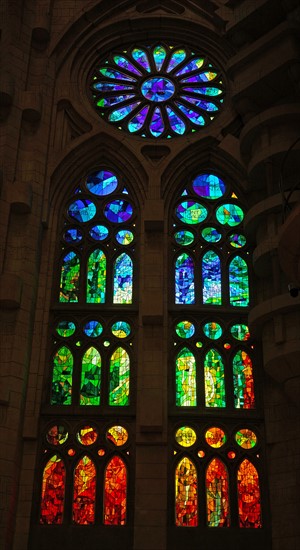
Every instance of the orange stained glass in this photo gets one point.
(248, 495)
(217, 494)
(84, 492)
(215, 437)
(53, 491)
(186, 494)
(115, 492)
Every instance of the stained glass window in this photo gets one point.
(249, 495)
(115, 492)
(186, 494)
(238, 282)
(62, 375)
(69, 280)
(123, 280)
(53, 491)
(211, 278)
(217, 494)
(184, 280)
(244, 397)
(214, 379)
(96, 278)
(84, 495)
(159, 91)
(186, 379)
(119, 378)
(90, 377)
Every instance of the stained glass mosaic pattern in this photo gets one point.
(53, 491)
(238, 282)
(123, 280)
(185, 329)
(82, 210)
(214, 379)
(121, 329)
(157, 91)
(212, 330)
(87, 435)
(93, 329)
(65, 328)
(119, 373)
(186, 379)
(209, 186)
(215, 437)
(73, 236)
(217, 494)
(115, 492)
(237, 241)
(246, 438)
(240, 332)
(90, 377)
(99, 232)
(124, 237)
(191, 212)
(186, 494)
(211, 235)
(61, 392)
(249, 496)
(57, 435)
(69, 279)
(96, 278)
(229, 214)
(184, 280)
(244, 397)
(84, 496)
(185, 436)
(211, 278)
(118, 211)
(184, 238)
(102, 183)
(118, 435)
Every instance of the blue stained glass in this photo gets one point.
(111, 86)
(201, 77)
(137, 122)
(99, 232)
(211, 235)
(229, 214)
(157, 89)
(193, 116)
(209, 186)
(93, 329)
(159, 55)
(112, 73)
(118, 211)
(119, 114)
(191, 212)
(205, 105)
(73, 236)
(123, 280)
(141, 58)
(123, 62)
(157, 123)
(113, 100)
(184, 238)
(177, 57)
(121, 329)
(209, 91)
(124, 237)
(102, 183)
(82, 210)
(176, 123)
(237, 241)
(211, 277)
(192, 65)
(238, 282)
(184, 280)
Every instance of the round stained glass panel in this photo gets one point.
(57, 435)
(246, 438)
(87, 435)
(118, 211)
(240, 332)
(102, 183)
(98, 232)
(157, 89)
(117, 435)
(185, 436)
(93, 329)
(185, 329)
(124, 237)
(73, 236)
(212, 330)
(184, 238)
(230, 214)
(65, 328)
(82, 210)
(121, 329)
(215, 437)
(237, 241)
(211, 235)
(191, 212)
(209, 186)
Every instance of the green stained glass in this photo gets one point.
(240, 332)
(212, 330)
(237, 241)
(119, 378)
(186, 379)
(214, 380)
(191, 212)
(123, 280)
(65, 328)
(121, 329)
(211, 279)
(211, 235)
(209, 186)
(184, 238)
(69, 279)
(96, 278)
(185, 436)
(243, 382)
(238, 282)
(246, 438)
(121, 113)
(90, 377)
(185, 329)
(229, 214)
(61, 393)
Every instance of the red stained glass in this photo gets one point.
(186, 491)
(217, 495)
(115, 492)
(84, 492)
(248, 496)
(53, 491)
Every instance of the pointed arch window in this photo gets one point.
(115, 492)
(53, 491)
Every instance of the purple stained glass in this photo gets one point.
(201, 104)
(192, 115)
(141, 58)
(209, 186)
(118, 211)
(176, 123)
(111, 87)
(102, 183)
(112, 73)
(157, 89)
(201, 77)
(73, 235)
(184, 280)
(123, 62)
(137, 122)
(176, 58)
(192, 65)
(82, 210)
(113, 100)
(157, 123)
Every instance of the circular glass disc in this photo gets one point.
(185, 436)
(157, 89)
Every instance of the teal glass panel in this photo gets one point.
(176, 123)
(185, 329)
(99, 232)
(69, 278)
(113, 100)
(73, 236)
(184, 280)
(96, 278)
(121, 329)
(243, 382)
(238, 282)
(90, 377)
(159, 55)
(124, 63)
(118, 211)
(212, 330)
(191, 212)
(123, 280)
(177, 57)
(192, 65)
(211, 235)
(137, 122)
(240, 332)
(65, 328)
(82, 210)
(192, 115)
(108, 72)
(237, 241)
(201, 77)
(141, 58)
(211, 278)
(119, 373)
(207, 91)
(184, 238)
(209, 186)
(156, 124)
(121, 113)
(102, 183)
(229, 214)
(124, 237)
(93, 329)
(186, 379)
(61, 391)
(214, 380)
